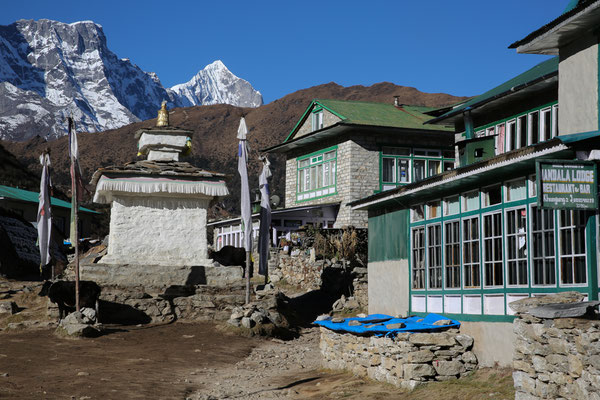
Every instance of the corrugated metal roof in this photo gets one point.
(540, 72)
(380, 114)
(33, 197)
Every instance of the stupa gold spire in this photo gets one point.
(163, 115)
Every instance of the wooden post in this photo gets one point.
(247, 277)
(76, 227)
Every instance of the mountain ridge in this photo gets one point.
(50, 70)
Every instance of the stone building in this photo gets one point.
(340, 151)
(519, 216)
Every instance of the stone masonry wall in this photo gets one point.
(299, 270)
(556, 358)
(407, 360)
(357, 176)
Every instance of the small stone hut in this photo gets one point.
(158, 205)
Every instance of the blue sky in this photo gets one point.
(457, 47)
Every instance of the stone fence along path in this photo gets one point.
(406, 360)
(556, 357)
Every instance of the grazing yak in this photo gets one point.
(63, 294)
(229, 255)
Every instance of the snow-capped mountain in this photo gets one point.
(50, 70)
(215, 84)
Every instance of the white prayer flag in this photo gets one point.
(44, 219)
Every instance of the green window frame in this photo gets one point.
(403, 165)
(316, 175)
(528, 127)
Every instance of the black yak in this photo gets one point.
(63, 294)
(229, 255)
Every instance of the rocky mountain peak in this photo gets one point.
(50, 70)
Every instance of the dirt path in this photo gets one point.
(157, 362)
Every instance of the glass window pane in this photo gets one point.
(388, 169)
(403, 170)
(419, 170)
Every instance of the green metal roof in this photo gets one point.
(33, 197)
(372, 114)
(538, 73)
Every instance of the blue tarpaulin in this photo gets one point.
(378, 324)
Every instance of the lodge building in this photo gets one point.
(518, 217)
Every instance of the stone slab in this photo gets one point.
(524, 305)
(161, 276)
(564, 310)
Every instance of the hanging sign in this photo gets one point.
(569, 185)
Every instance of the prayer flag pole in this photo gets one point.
(245, 199)
(73, 150)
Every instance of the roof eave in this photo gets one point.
(561, 31)
(453, 114)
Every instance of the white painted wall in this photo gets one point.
(388, 287)
(578, 86)
(158, 230)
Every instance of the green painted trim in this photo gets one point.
(474, 317)
(515, 116)
(315, 198)
(300, 121)
(317, 152)
(410, 157)
(590, 288)
(310, 109)
(591, 254)
(522, 113)
(308, 156)
(331, 111)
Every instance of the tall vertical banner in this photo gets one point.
(245, 200)
(265, 217)
(76, 181)
(44, 216)
(76, 193)
(245, 195)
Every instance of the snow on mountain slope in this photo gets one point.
(215, 84)
(50, 70)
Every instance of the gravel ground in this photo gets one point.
(270, 371)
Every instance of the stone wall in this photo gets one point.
(357, 176)
(407, 360)
(300, 269)
(193, 303)
(556, 357)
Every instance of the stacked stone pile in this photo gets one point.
(360, 283)
(82, 324)
(406, 360)
(263, 316)
(556, 357)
